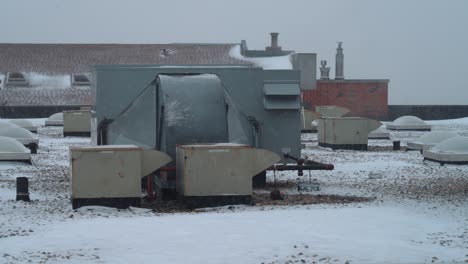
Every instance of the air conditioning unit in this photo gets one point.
(77, 123)
(219, 174)
(345, 132)
(111, 175)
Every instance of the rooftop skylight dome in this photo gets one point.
(409, 123)
(379, 133)
(430, 139)
(452, 151)
(24, 123)
(12, 150)
(55, 120)
(25, 137)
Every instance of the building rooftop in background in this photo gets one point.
(58, 59)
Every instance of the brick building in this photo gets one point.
(365, 98)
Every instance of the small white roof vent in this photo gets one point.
(80, 80)
(379, 133)
(409, 123)
(430, 139)
(55, 120)
(12, 150)
(16, 79)
(453, 151)
(24, 123)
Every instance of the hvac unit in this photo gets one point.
(77, 123)
(345, 132)
(111, 175)
(219, 174)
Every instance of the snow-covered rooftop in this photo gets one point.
(418, 216)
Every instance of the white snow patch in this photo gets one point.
(267, 63)
(47, 81)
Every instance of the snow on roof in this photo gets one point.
(267, 63)
(48, 81)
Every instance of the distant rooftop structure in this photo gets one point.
(80, 58)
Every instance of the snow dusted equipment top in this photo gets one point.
(13, 150)
(409, 123)
(345, 132)
(111, 175)
(229, 177)
(55, 120)
(159, 107)
(430, 139)
(77, 123)
(451, 151)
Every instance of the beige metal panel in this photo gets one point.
(331, 110)
(77, 121)
(153, 160)
(345, 130)
(110, 171)
(210, 170)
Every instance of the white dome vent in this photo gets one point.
(55, 120)
(22, 135)
(24, 123)
(431, 139)
(409, 123)
(13, 150)
(379, 133)
(453, 151)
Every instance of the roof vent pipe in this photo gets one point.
(274, 40)
(339, 65)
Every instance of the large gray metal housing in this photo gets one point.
(158, 107)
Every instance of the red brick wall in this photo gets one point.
(363, 98)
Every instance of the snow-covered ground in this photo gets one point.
(420, 214)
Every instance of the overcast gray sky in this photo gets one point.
(420, 45)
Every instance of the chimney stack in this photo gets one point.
(274, 43)
(324, 70)
(339, 65)
(274, 40)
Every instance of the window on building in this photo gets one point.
(80, 79)
(16, 79)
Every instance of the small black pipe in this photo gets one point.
(301, 161)
(283, 167)
(22, 189)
